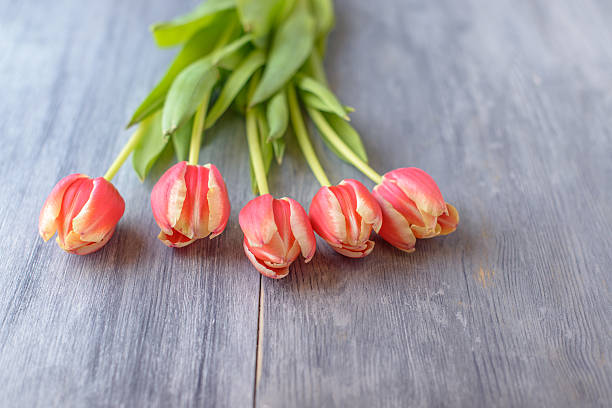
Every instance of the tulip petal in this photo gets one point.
(167, 197)
(70, 241)
(426, 233)
(47, 221)
(448, 223)
(348, 203)
(369, 246)
(94, 246)
(395, 228)
(401, 202)
(420, 187)
(175, 240)
(326, 217)
(274, 250)
(367, 206)
(274, 273)
(193, 221)
(101, 213)
(256, 220)
(218, 202)
(75, 198)
(302, 230)
(282, 215)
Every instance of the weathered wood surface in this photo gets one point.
(506, 103)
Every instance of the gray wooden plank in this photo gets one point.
(135, 324)
(507, 105)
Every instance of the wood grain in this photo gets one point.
(506, 103)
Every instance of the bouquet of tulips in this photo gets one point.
(262, 58)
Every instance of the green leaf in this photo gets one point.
(267, 150)
(150, 146)
(323, 11)
(181, 139)
(233, 61)
(285, 10)
(279, 149)
(180, 29)
(258, 16)
(318, 96)
(292, 43)
(201, 44)
(234, 84)
(187, 92)
(314, 67)
(277, 114)
(240, 102)
(349, 135)
(194, 84)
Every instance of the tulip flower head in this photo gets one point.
(412, 207)
(190, 202)
(344, 216)
(275, 232)
(83, 211)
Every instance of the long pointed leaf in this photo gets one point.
(234, 84)
(187, 92)
(279, 149)
(257, 17)
(180, 29)
(181, 140)
(150, 146)
(292, 43)
(200, 45)
(328, 122)
(193, 84)
(318, 96)
(277, 114)
(323, 11)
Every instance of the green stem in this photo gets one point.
(197, 131)
(342, 147)
(303, 139)
(253, 139)
(255, 152)
(124, 153)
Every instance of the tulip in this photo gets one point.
(83, 211)
(190, 202)
(344, 216)
(412, 207)
(275, 232)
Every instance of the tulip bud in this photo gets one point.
(83, 211)
(412, 207)
(344, 216)
(190, 202)
(275, 231)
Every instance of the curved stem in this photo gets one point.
(124, 153)
(303, 139)
(255, 152)
(197, 131)
(334, 139)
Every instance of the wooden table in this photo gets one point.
(508, 104)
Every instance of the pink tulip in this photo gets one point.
(412, 207)
(275, 231)
(190, 202)
(344, 216)
(83, 211)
